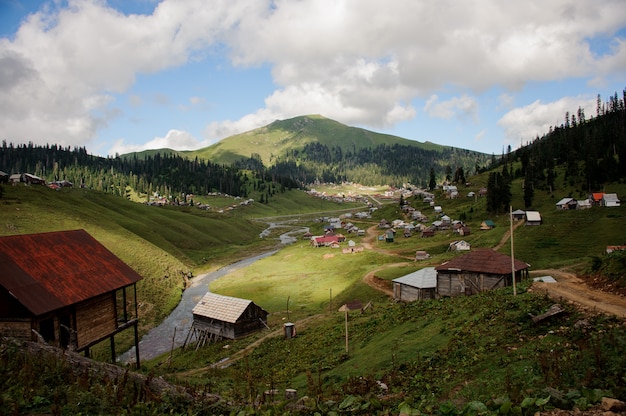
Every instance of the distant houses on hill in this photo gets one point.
(595, 199)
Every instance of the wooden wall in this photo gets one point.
(96, 318)
(16, 329)
(455, 284)
(408, 293)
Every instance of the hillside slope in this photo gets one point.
(275, 139)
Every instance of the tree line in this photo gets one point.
(165, 174)
(592, 151)
(383, 164)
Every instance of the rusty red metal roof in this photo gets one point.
(482, 260)
(48, 271)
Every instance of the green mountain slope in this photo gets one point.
(281, 136)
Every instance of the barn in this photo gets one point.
(66, 289)
(478, 271)
(419, 285)
(217, 316)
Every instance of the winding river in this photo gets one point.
(171, 333)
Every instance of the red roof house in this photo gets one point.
(65, 288)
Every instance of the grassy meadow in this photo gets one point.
(456, 351)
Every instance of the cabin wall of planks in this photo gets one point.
(16, 329)
(455, 284)
(95, 318)
(408, 293)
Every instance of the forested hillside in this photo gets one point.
(313, 148)
(165, 174)
(384, 164)
(592, 151)
(287, 154)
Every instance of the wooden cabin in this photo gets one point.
(419, 285)
(66, 289)
(217, 316)
(478, 271)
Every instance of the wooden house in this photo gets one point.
(217, 316)
(66, 289)
(610, 249)
(533, 218)
(610, 200)
(596, 198)
(477, 271)
(4, 177)
(518, 214)
(418, 285)
(487, 225)
(421, 255)
(15, 178)
(32, 179)
(461, 245)
(566, 204)
(583, 203)
(428, 233)
(327, 240)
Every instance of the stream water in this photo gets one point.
(171, 333)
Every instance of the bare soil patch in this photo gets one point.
(591, 294)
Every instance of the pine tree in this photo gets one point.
(432, 183)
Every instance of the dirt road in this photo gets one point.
(573, 289)
(568, 287)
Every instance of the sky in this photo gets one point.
(119, 76)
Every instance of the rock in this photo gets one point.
(613, 405)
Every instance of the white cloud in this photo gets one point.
(524, 124)
(308, 98)
(355, 61)
(462, 107)
(63, 63)
(174, 139)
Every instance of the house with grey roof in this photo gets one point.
(566, 203)
(419, 285)
(610, 200)
(533, 218)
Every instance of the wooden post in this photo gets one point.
(330, 305)
(346, 330)
(512, 251)
(113, 349)
(169, 363)
(136, 344)
(136, 326)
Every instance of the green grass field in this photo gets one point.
(458, 349)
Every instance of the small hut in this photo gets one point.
(533, 218)
(217, 316)
(418, 285)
